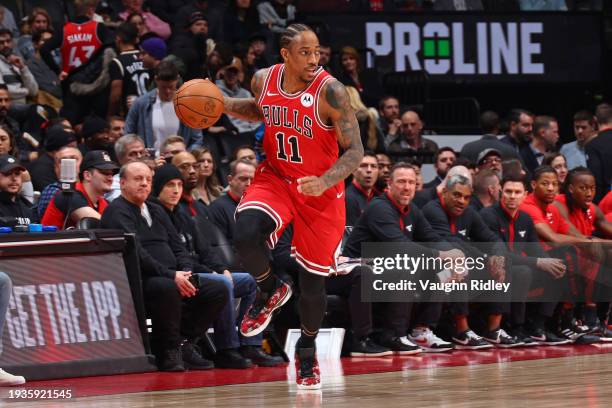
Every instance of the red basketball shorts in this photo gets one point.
(318, 222)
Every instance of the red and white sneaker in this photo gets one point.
(259, 315)
(308, 375)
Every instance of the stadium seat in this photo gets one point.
(87, 223)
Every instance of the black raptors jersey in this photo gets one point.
(128, 67)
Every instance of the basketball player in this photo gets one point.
(307, 115)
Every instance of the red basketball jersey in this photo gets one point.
(296, 141)
(79, 44)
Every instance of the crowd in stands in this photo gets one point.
(92, 84)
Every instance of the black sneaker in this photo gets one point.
(521, 335)
(260, 357)
(499, 338)
(231, 358)
(603, 332)
(400, 345)
(192, 357)
(172, 360)
(548, 338)
(468, 340)
(308, 374)
(368, 348)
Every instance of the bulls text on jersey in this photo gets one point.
(280, 116)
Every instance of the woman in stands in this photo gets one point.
(557, 161)
(371, 136)
(208, 188)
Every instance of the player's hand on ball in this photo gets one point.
(311, 186)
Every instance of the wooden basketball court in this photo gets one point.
(564, 376)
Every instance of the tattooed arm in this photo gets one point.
(335, 106)
(246, 108)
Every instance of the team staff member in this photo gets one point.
(96, 175)
(362, 189)
(392, 218)
(454, 220)
(12, 204)
(516, 229)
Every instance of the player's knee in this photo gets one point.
(252, 229)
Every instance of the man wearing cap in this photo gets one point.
(193, 45)
(230, 86)
(41, 169)
(490, 159)
(96, 135)
(152, 115)
(12, 204)
(153, 50)
(96, 175)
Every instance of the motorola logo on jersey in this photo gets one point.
(280, 116)
(307, 100)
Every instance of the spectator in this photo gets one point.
(128, 148)
(513, 167)
(361, 191)
(389, 118)
(543, 5)
(240, 19)
(384, 170)
(180, 317)
(187, 165)
(41, 169)
(66, 152)
(5, 106)
(129, 78)
(6, 289)
(192, 45)
(96, 175)
(49, 87)
(7, 21)
(489, 123)
(487, 189)
(445, 157)
(325, 57)
(153, 23)
(276, 15)
(489, 159)
(411, 141)
(221, 211)
(585, 130)
(116, 125)
(245, 152)
(258, 43)
(152, 115)
(371, 137)
(86, 48)
(153, 51)
(96, 135)
(213, 11)
(453, 5)
(230, 86)
(138, 20)
(557, 161)
(172, 146)
(14, 72)
(248, 68)
(520, 132)
(167, 187)
(350, 75)
(208, 188)
(39, 20)
(12, 204)
(545, 138)
(599, 151)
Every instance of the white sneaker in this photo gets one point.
(429, 342)
(9, 380)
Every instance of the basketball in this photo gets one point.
(198, 103)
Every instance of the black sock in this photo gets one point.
(307, 340)
(267, 282)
